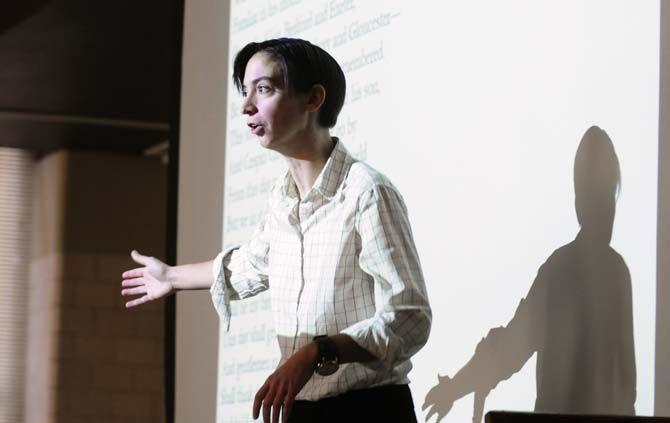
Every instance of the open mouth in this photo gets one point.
(255, 128)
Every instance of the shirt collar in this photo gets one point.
(331, 176)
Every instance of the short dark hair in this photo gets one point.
(303, 65)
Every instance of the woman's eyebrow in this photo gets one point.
(261, 78)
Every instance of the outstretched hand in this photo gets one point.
(150, 281)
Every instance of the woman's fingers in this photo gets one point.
(134, 291)
(135, 273)
(139, 258)
(278, 403)
(258, 400)
(267, 405)
(136, 280)
(288, 405)
(137, 302)
(133, 282)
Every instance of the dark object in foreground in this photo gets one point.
(518, 417)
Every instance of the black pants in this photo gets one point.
(387, 404)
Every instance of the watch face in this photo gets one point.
(327, 368)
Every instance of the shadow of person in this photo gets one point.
(577, 315)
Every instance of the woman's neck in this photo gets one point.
(306, 166)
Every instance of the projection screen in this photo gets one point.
(475, 111)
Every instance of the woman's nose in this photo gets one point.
(248, 107)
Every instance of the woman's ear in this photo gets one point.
(316, 97)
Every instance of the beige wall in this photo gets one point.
(201, 172)
(89, 358)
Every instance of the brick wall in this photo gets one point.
(90, 358)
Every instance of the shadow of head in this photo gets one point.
(597, 184)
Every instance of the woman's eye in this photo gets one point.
(263, 89)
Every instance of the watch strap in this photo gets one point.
(327, 350)
(328, 362)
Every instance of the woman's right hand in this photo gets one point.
(150, 281)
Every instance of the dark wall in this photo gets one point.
(88, 75)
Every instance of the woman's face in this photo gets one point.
(274, 114)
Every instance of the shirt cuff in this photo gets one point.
(221, 291)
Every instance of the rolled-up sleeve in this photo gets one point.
(401, 323)
(240, 272)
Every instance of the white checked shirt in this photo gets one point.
(342, 260)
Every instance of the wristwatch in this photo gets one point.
(328, 362)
